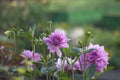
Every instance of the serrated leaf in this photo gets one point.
(52, 69)
(50, 62)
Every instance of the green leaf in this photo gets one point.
(33, 30)
(90, 50)
(63, 76)
(42, 58)
(78, 76)
(51, 62)
(77, 50)
(109, 68)
(52, 69)
(91, 71)
(66, 51)
(43, 70)
(30, 34)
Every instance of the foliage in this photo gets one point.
(110, 39)
(29, 65)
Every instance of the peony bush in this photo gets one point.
(59, 59)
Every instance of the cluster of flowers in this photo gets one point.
(57, 40)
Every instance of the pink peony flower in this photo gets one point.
(64, 64)
(55, 41)
(82, 62)
(27, 54)
(77, 65)
(99, 57)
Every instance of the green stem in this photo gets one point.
(15, 42)
(53, 76)
(46, 62)
(62, 64)
(2, 59)
(81, 68)
(33, 50)
(84, 66)
(50, 28)
(52, 57)
(47, 77)
(84, 48)
(47, 71)
(73, 78)
(33, 45)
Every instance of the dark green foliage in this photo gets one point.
(78, 76)
(91, 71)
(63, 76)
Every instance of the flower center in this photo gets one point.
(56, 40)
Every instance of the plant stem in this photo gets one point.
(15, 42)
(62, 64)
(84, 48)
(46, 62)
(33, 50)
(81, 68)
(73, 72)
(33, 59)
(52, 57)
(47, 71)
(84, 66)
(53, 76)
(47, 68)
(50, 28)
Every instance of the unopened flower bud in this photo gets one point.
(49, 22)
(43, 34)
(35, 41)
(7, 33)
(21, 70)
(88, 33)
(80, 42)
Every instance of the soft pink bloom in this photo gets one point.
(98, 56)
(77, 65)
(65, 64)
(82, 62)
(55, 41)
(101, 59)
(27, 54)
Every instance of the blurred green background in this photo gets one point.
(102, 17)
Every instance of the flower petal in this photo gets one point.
(59, 53)
(64, 45)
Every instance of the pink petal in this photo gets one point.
(64, 45)
(59, 53)
(52, 48)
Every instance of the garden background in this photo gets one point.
(101, 17)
